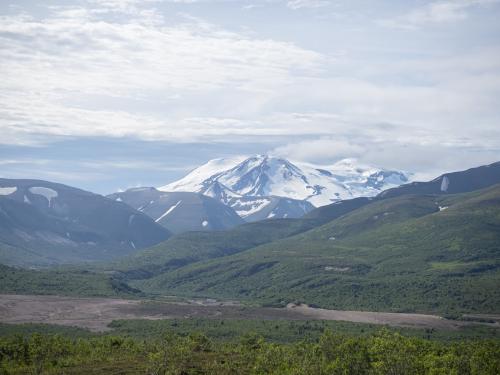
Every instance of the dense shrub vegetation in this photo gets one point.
(380, 353)
(70, 281)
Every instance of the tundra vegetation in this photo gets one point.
(382, 352)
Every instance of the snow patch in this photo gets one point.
(119, 199)
(168, 211)
(338, 269)
(245, 209)
(8, 190)
(26, 200)
(48, 193)
(445, 183)
(205, 223)
(442, 208)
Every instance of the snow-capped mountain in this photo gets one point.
(243, 183)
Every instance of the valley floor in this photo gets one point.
(96, 313)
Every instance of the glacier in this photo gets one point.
(230, 180)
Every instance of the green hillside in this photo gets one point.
(398, 254)
(456, 182)
(191, 247)
(61, 282)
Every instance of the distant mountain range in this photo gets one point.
(44, 223)
(422, 247)
(262, 186)
(448, 183)
(180, 211)
(224, 193)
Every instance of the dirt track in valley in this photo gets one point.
(96, 313)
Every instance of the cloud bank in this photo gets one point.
(326, 85)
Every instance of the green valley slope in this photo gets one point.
(191, 247)
(63, 281)
(427, 253)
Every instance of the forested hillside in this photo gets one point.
(424, 253)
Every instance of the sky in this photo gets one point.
(110, 94)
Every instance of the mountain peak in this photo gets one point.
(265, 175)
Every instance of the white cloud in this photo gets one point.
(95, 56)
(299, 4)
(66, 67)
(135, 71)
(323, 149)
(435, 13)
(426, 159)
